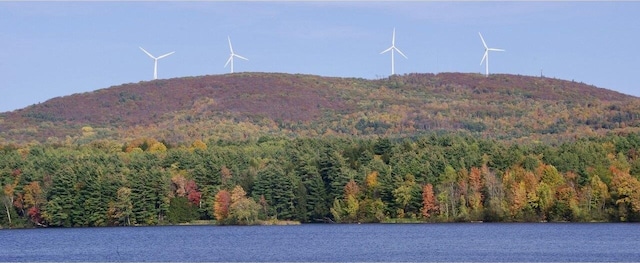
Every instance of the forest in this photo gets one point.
(257, 148)
(444, 177)
(251, 105)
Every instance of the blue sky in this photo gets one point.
(51, 49)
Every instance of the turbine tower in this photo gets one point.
(155, 61)
(486, 54)
(393, 48)
(230, 60)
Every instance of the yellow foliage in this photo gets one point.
(87, 131)
(371, 181)
(198, 144)
(157, 147)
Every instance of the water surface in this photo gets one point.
(464, 242)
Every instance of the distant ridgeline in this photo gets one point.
(250, 105)
(256, 147)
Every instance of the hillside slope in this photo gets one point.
(242, 105)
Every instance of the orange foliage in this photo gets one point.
(519, 198)
(351, 189)
(626, 190)
(221, 205)
(33, 200)
(428, 201)
(475, 189)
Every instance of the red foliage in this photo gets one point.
(221, 205)
(35, 215)
(192, 192)
(16, 173)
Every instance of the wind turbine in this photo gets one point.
(486, 54)
(230, 60)
(155, 61)
(392, 49)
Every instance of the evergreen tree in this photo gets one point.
(278, 190)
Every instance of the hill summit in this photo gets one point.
(244, 105)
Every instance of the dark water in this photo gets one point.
(330, 243)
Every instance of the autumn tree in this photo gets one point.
(550, 175)
(475, 196)
(595, 195)
(221, 205)
(7, 200)
(404, 195)
(157, 147)
(371, 206)
(518, 200)
(566, 206)
(33, 201)
(177, 185)
(625, 191)
(199, 145)
(242, 210)
(371, 184)
(428, 201)
(193, 194)
(346, 208)
(184, 200)
(546, 200)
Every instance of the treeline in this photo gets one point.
(433, 178)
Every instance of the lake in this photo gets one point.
(479, 242)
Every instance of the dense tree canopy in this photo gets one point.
(431, 178)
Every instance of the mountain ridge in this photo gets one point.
(240, 105)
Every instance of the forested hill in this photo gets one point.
(245, 105)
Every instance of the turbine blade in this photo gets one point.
(496, 49)
(229, 60)
(387, 50)
(486, 53)
(483, 43)
(148, 54)
(230, 47)
(400, 52)
(393, 38)
(238, 56)
(165, 55)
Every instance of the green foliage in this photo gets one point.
(272, 184)
(323, 179)
(181, 211)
